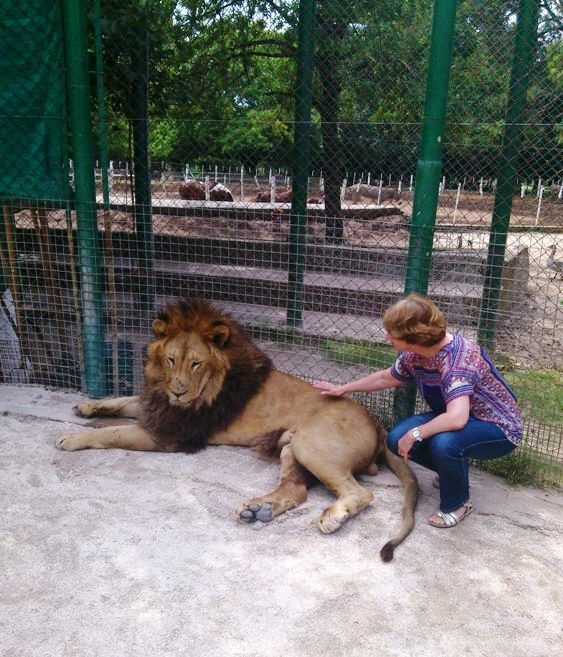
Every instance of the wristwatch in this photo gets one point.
(416, 434)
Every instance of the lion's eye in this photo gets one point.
(195, 365)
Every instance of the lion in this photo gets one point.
(208, 383)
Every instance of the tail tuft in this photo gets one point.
(387, 550)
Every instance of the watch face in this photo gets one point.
(416, 433)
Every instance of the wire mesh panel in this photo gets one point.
(193, 174)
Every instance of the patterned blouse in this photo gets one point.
(462, 368)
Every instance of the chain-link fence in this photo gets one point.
(210, 154)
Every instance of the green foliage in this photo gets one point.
(524, 468)
(222, 78)
(163, 139)
(553, 60)
(261, 133)
(540, 394)
(362, 352)
(118, 137)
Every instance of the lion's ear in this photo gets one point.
(220, 334)
(159, 327)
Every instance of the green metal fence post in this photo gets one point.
(429, 165)
(89, 244)
(524, 46)
(303, 101)
(428, 170)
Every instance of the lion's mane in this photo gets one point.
(188, 429)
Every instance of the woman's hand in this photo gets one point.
(405, 444)
(329, 389)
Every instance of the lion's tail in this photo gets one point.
(410, 484)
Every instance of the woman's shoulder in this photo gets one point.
(462, 353)
(462, 345)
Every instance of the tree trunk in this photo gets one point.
(331, 30)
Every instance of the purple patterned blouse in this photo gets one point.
(463, 368)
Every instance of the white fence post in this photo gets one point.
(540, 197)
(456, 203)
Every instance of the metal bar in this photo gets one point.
(142, 184)
(524, 48)
(4, 268)
(10, 266)
(101, 98)
(104, 164)
(429, 166)
(428, 170)
(75, 294)
(89, 244)
(52, 282)
(301, 152)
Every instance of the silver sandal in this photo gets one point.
(449, 519)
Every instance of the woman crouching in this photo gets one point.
(473, 412)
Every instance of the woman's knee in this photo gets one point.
(401, 428)
(443, 445)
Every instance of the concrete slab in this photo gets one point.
(114, 553)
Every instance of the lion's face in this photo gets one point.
(189, 367)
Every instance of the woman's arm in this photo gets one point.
(454, 419)
(380, 380)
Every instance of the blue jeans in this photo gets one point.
(448, 453)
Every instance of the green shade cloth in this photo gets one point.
(33, 162)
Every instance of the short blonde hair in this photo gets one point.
(416, 320)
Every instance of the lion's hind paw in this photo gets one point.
(248, 513)
(329, 525)
(332, 519)
(69, 442)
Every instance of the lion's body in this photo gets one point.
(207, 383)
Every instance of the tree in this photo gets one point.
(222, 79)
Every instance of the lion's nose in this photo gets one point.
(179, 394)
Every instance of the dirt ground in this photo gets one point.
(111, 553)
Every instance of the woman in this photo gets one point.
(474, 414)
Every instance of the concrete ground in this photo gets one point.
(123, 554)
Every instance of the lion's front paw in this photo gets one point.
(85, 409)
(69, 442)
(251, 512)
